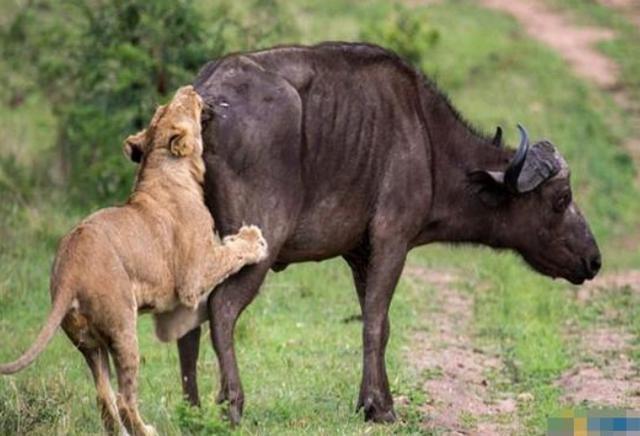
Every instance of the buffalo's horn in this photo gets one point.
(497, 139)
(515, 166)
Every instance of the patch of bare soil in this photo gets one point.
(616, 280)
(462, 399)
(606, 374)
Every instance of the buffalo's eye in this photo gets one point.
(561, 202)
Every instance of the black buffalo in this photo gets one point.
(346, 150)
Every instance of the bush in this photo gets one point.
(105, 65)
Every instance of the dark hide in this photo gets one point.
(345, 150)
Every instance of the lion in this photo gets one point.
(157, 253)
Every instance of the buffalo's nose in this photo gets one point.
(592, 265)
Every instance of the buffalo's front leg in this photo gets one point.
(225, 306)
(385, 266)
(188, 350)
(358, 261)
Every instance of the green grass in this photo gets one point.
(299, 360)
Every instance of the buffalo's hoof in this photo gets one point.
(192, 401)
(380, 417)
(376, 411)
(234, 414)
(232, 409)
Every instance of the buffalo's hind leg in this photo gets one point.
(375, 284)
(188, 350)
(226, 305)
(358, 261)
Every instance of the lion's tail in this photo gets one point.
(61, 304)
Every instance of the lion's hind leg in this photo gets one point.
(96, 354)
(98, 360)
(124, 349)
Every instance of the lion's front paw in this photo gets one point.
(254, 246)
(249, 233)
(257, 244)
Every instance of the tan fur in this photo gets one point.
(158, 253)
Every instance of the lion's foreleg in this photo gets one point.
(246, 247)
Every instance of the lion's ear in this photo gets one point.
(182, 142)
(134, 146)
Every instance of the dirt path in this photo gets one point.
(460, 376)
(463, 381)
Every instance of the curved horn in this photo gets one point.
(515, 166)
(497, 139)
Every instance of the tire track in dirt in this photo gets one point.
(459, 375)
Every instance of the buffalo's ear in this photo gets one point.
(182, 142)
(489, 187)
(487, 177)
(134, 146)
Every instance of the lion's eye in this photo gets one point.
(562, 202)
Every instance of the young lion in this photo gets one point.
(156, 253)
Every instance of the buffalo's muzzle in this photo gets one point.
(592, 265)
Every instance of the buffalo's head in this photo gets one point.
(535, 213)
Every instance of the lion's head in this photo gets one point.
(174, 127)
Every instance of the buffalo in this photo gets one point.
(344, 149)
